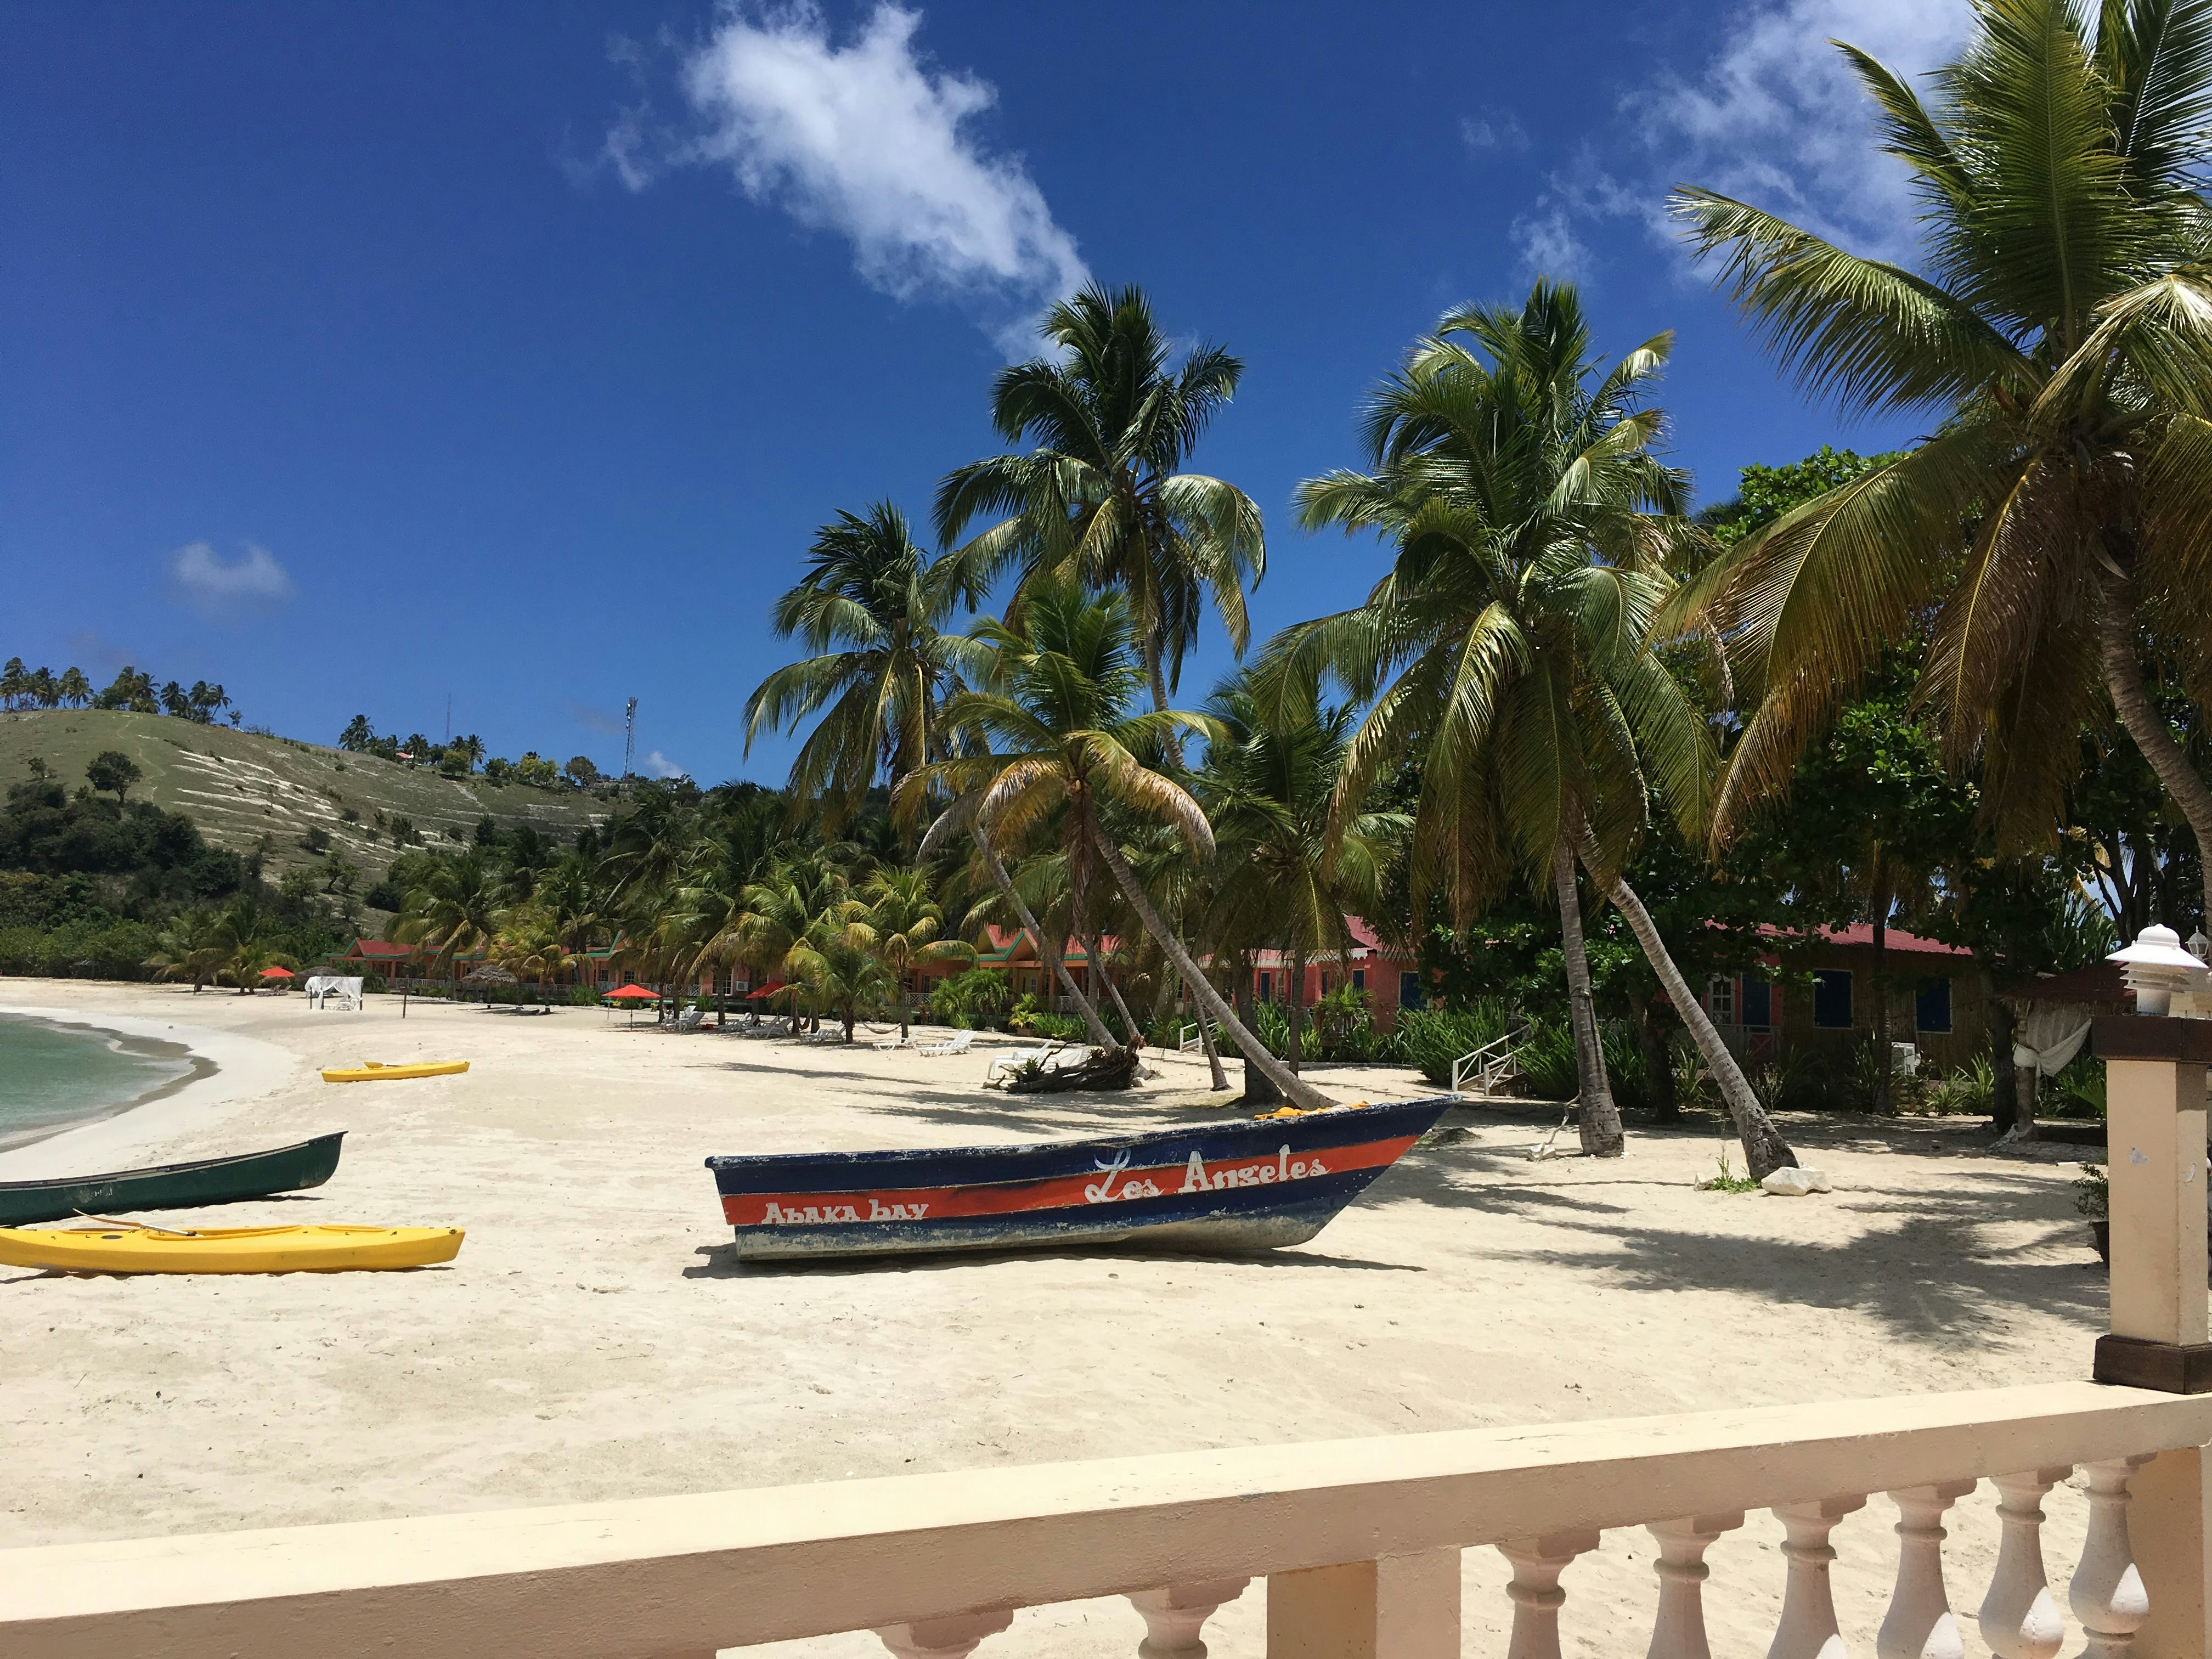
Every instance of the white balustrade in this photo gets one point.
(1678, 1630)
(1359, 1541)
(2019, 1619)
(1173, 1616)
(1808, 1627)
(954, 1638)
(2106, 1593)
(1534, 1588)
(1918, 1624)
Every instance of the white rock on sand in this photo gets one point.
(595, 1339)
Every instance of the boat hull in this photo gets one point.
(326, 1250)
(173, 1185)
(1249, 1184)
(393, 1073)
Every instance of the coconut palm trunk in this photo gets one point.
(1128, 1020)
(1212, 1051)
(1092, 1023)
(2124, 682)
(1600, 1131)
(1764, 1149)
(1296, 1089)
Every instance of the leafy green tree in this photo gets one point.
(580, 772)
(112, 772)
(1505, 654)
(872, 609)
(2063, 337)
(131, 691)
(1102, 499)
(15, 684)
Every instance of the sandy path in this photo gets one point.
(594, 1338)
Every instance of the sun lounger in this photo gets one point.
(690, 1019)
(955, 1044)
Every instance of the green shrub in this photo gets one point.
(1430, 1039)
(1969, 1092)
(1344, 1028)
(1546, 1059)
(2078, 1091)
(1624, 1068)
(968, 999)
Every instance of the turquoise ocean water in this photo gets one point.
(54, 1076)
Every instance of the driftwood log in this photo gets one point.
(1107, 1068)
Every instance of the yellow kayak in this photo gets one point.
(375, 1071)
(225, 1250)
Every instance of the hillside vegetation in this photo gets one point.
(251, 793)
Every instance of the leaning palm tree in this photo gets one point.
(1293, 867)
(1102, 500)
(870, 609)
(2061, 331)
(1505, 654)
(1052, 736)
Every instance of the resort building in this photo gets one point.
(1938, 997)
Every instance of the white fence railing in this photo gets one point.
(1359, 1542)
(1487, 1066)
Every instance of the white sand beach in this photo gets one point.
(596, 1339)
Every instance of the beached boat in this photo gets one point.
(172, 1186)
(1246, 1184)
(227, 1249)
(375, 1071)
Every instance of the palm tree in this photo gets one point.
(870, 608)
(783, 906)
(907, 925)
(2064, 335)
(839, 961)
(1053, 739)
(1292, 868)
(529, 941)
(195, 945)
(455, 908)
(1102, 500)
(74, 689)
(1505, 655)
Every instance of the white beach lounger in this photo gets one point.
(955, 1044)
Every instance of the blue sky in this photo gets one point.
(357, 356)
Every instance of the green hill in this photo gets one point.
(238, 787)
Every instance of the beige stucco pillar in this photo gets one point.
(1403, 1606)
(2154, 1071)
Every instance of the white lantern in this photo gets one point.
(2157, 967)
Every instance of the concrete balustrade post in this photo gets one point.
(1173, 1616)
(1678, 1631)
(952, 1637)
(2107, 1592)
(1534, 1590)
(2018, 1620)
(1402, 1606)
(1808, 1626)
(2154, 1072)
(1918, 1624)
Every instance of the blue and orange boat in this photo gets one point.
(1251, 1184)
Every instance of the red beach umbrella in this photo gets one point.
(633, 993)
(276, 973)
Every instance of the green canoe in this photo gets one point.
(172, 1186)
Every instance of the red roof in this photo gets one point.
(1862, 932)
(377, 950)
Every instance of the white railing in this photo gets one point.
(1489, 1065)
(1359, 1543)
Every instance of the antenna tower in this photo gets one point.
(629, 738)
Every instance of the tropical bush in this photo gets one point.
(969, 999)
(1969, 1090)
(1430, 1039)
(1546, 1058)
(2078, 1091)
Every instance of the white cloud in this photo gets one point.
(1548, 246)
(659, 766)
(863, 138)
(1778, 119)
(203, 579)
(1480, 133)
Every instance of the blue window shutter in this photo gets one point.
(1832, 999)
(1931, 1006)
